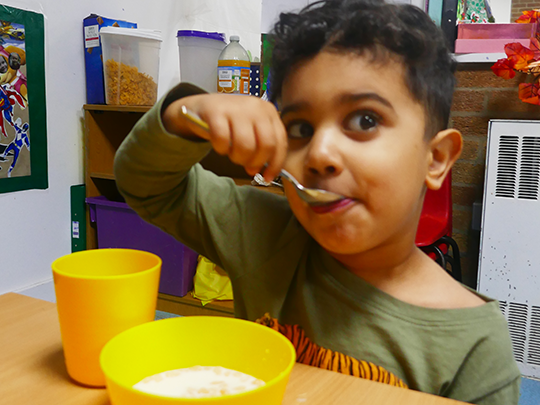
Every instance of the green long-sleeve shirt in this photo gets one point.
(276, 267)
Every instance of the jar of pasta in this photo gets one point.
(130, 65)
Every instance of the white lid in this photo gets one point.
(132, 32)
(234, 38)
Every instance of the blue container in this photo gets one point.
(95, 85)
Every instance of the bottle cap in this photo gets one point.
(234, 38)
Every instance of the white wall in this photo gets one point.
(35, 228)
(272, 8)
(233, 17)
(502, 10)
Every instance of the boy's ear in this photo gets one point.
(444, 150)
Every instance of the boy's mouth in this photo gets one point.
(331, 207)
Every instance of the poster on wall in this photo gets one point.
(23, 127)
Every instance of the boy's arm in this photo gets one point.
(150, 159)
(157, 174)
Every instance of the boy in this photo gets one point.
(364, 90)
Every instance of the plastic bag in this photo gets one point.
(211, 282)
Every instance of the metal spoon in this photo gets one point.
(313, 196)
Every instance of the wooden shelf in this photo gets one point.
(187, 305)
(106, 176)
(106, 127)
(117, 108)
(478, 57)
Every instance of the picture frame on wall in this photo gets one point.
(23, 118)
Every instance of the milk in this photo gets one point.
(198, 382)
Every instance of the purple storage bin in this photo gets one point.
(118, 226)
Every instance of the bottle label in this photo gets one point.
(233, 80)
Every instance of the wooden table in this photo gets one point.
(32, 369)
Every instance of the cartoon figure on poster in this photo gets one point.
(14, 125)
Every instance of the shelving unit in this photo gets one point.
(479, 57)
(188, 305)
(106, 127)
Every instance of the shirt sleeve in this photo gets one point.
(507, 395)
(160, 178)
(489, 375)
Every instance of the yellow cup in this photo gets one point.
(100, 293)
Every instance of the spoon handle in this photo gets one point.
(201, 128)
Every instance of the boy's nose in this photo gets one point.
(323, 157)
(326, 170)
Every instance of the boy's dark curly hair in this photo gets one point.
(379, 30)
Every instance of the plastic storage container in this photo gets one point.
(234, 69)
(93, 55)
(118, 226)
(130, 65)
(199, 52)
(491, 38)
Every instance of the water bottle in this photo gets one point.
(233, 68)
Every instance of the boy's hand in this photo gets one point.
(246, 129)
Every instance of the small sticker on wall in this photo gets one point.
(91, 36)
(75, 229)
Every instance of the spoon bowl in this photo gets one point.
(313, 196)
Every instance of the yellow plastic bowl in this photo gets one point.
(175, 343)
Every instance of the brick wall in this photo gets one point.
(520, 5)
(479, 97)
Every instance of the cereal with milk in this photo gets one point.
(198, 382)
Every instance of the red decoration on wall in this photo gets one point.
(504, 68)
(529, 16)
(528, 93)
(522, 59)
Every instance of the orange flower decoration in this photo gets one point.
(504, 68)
(528, 93)
(519, 55)
(525, 60)
(535, 46)
(534, 68)
(529, 16)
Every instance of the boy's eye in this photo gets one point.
(362, 121)
(299, 130)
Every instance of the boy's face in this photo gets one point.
(354, 129)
